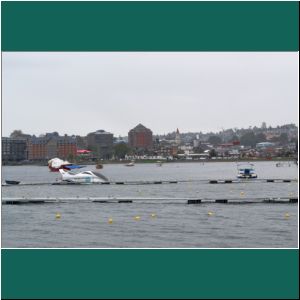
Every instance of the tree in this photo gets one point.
(121, 149)
(212, 153)
(199, 149)
(16, 133)
(260, 137)
(248, 139)
(263, 125)
(283, 139)
(234, 138)
(295, 140)
(214, 140)
(70, 157)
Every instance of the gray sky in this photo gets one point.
(80, 92)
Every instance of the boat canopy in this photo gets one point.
(71, 167)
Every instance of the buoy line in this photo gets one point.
(149, 200)
(211, 181)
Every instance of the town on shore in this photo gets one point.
(261, 143)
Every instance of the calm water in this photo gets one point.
(175, 225)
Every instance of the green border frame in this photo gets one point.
(150, 274)
(150, 26)
(153, 273)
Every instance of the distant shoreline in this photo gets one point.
(153, 161)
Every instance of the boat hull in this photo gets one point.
(85, 177)
(12, 182)
(247, 176)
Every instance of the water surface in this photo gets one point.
(175, 224)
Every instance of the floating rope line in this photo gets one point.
(213, 181)
(186, 200)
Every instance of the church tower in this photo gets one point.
(177, 137)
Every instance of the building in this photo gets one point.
(13, 149)
(265, 145)
(140, 138)
(51, 145)
(100, 143)
(164, 148)
(66, 146)
(81, 141)
(177, 138)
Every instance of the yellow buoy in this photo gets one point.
(153, 215)
(210, 213)
(287, 215)
(137, 218)
(57, 216)
(110, 221)
(242, 193)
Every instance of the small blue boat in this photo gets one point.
(246, 171)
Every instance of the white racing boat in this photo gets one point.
(55, 164)
(246, 171)
(82, 177)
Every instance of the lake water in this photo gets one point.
(175, 224)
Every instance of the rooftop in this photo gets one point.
(47, 138)
(100, 131)
(140, 127)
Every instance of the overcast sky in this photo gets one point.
(80, 92)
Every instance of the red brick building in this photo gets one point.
(50, 146)
(66, 146)
(36, 150)
(140, 137)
